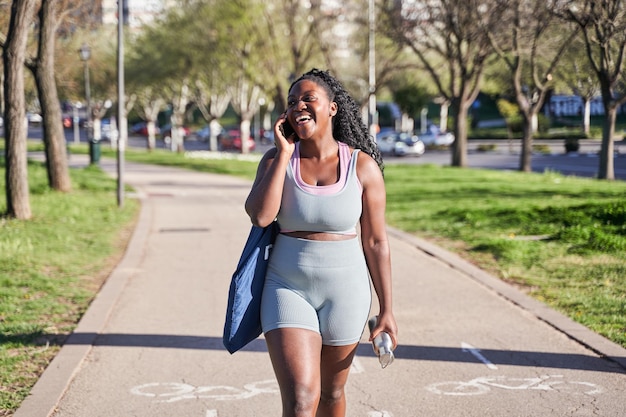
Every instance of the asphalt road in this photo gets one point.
(584, 163)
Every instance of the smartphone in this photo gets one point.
(288, 130)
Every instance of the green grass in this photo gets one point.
(51, 268)
(560, 239)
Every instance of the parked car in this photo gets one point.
(166, 132)
(141, 129)
(67, 121)
(400, 144)
(437, 139)
(231, 140)
(108, 131)
(204, 134)
(34, 118)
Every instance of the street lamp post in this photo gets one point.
(122, 125)
(373, 122)
(85, 55)
(76, 121)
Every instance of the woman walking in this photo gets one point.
(322, 179)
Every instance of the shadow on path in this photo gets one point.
(410, 352)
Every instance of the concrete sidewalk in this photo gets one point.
(150, 343)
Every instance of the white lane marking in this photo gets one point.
(211, 413)
(476, 353)
(485, 384)
(379, 414)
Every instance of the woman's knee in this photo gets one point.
(302, 400)
(332, 395)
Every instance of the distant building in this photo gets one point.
(569, 105)
(137, 12)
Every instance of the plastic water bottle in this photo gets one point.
(382, 344)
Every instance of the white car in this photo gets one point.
(400, 144)
(34, 118)
(437, 139)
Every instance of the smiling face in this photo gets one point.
(310, 110)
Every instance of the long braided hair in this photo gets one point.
(348, 126)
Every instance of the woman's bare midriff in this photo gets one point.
(319, 235)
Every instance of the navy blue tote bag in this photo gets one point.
(243, 315)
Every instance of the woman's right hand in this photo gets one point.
(386, 322)
(281, 142)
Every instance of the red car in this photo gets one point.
(231, 140)
(141, 129)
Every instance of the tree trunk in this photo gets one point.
(214, 131)
(244, 130)
(151, 128)
(17, 192)
(245, 99)
(443, 117)
(586, 115)
(176, 133)
(459, 148)
(527, 143)
(179, 108)
(606, 171)
(53, 134)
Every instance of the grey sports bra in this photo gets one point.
(334, 208)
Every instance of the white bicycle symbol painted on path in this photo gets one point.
(170, 392)
(483, 385)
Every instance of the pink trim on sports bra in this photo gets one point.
(344, 159)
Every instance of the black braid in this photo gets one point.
(348, 126)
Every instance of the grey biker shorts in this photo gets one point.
(322, 286)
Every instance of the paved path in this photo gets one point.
(150, 343)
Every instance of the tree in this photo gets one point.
(17, 192)
(157, 61)
(292, 37)
(4, 23)
(531, 48)
(144, 82)
(242, 50)
(148, 104)
(180, 95)
(603, 25)
(212, 104)
(449, 37)
(42, 67)
(103, 78)
(411, 96)
(579, 78)
(210, 92)
(245, 99)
